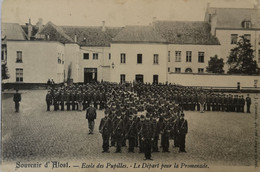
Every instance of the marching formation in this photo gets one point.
(140, 115)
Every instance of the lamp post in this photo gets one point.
(113, 65)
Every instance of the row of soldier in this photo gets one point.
(79, 97)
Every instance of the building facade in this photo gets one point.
(151, 53)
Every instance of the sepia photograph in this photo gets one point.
(130, 85)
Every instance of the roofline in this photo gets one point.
(222, 28)
(151, 42)
(13, 40)
(138, 42)
(194, 44)
(234, 8)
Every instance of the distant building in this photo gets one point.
(228, 24)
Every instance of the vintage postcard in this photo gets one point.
(130, 85)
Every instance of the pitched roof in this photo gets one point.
(34, 29)
(92, 35)
(233, 17)
(139, 34)
(55, 33)
(13, 31)
(186, 32)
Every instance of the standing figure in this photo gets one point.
(248, 103)
(91, 115)
(118, 132)
(48, 100)
(147, 137)
(182, 131)
(105, 129)
(166, 129)
(17, 98)
(131, 132)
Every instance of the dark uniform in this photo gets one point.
(147, 137)
(118, 132)
(182, 131)
(48, 100)
(248, 104)
(17, 98)
(166, 129)
(105, 129)
(131, 133)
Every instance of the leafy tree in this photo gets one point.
(5, 73)
(215, 65)
(241, 58)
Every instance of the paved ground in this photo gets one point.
(36, 135)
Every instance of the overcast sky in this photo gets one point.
(114, 12)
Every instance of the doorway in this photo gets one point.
(155, 79)
(90, 75)
(139, 78)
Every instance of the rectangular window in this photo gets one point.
(201, 57)
(156, 59)
(59, 58)
(139, 59)
(2, 55)
(188, 56)
(95, 56)
(85, 56)
(19, 57)
(248, 37)
(234, 38)
(177, 56)
(169, 69)
(19, 75)
(122, 78)
(259, 56)
(169, 56)
(109, 56)
(177, 70)
(62, 58)
(122, 58)
(200, 70)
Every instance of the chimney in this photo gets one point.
(154, 19)
(75, 38)
(103, 26)
(39, 24)
(29, 30)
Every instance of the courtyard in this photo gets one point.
(33, 134)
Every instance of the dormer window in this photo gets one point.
(246, 24)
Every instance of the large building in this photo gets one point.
(151, 53)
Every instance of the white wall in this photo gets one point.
(224, 37)
(209, 80)
(40, 61)
(101, 63)
(209, 51)
(131, 68)
(72, 55)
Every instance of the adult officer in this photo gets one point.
(147, 137)
(48, 100)
(182, 131)
(105, 129)
(91, 115)
(248, 103)
(17, 98)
